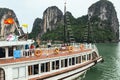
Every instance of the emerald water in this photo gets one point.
(110, 69)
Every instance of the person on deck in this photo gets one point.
(32, 46)
(26, 46)
(49, 44)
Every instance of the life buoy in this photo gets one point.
(38, 53)
(56, 51)
(81, 47)
(70, 49)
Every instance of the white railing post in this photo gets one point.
(90, 46)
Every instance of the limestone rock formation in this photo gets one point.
(104, 14)
(6, 29)
(102, 17)
(51, 16)
(37, 28)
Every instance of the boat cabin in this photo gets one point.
(7, 48)
(27, 65)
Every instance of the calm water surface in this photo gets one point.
(110, 69)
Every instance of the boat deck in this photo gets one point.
(43, 56)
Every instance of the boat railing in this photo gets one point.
(77, 45)
(86, 45)
(27, 53)
(51, 50)
(31, 52)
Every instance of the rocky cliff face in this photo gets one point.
(51, 16)
(6, 29)
(101, 17)
(37, 28)
(104, 15)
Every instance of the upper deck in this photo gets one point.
(28, 55)
(15, 43)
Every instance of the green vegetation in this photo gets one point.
(103, 28)
(36, 28)
(98, 34)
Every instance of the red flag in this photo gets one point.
(9, 21)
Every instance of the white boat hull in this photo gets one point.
(75, 73)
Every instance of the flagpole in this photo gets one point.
(27, 33)
(26, 26)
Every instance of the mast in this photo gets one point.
(64, 23)
(68, 33)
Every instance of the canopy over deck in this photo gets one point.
(13, 43)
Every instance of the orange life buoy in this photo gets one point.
(70, 49)
(38, 53)
(56, 51)
(81, 47)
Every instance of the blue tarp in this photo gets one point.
(17, 54)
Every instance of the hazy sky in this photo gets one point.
(27, 10)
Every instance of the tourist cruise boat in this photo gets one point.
(18, 62)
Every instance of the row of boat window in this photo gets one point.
(10, 51)
(51, 65)
(2, 52)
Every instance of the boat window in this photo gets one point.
(33, 69)
(2, 74)
(66, 62)
(83, 58)
(70, 61)
(53, 65)
(57, 64)
(94, 55)
(19, 72)
(45, 67)
(42, 67)
(2, 52)
(79, 60)
(10, 53)
(89, 57)
(62, 63)
(36, 69)
(73, 60)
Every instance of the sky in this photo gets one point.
(28, 10)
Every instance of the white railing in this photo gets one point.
(31, 52)
(27, 53)
(86, 45)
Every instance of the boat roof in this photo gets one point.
(14, 43)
